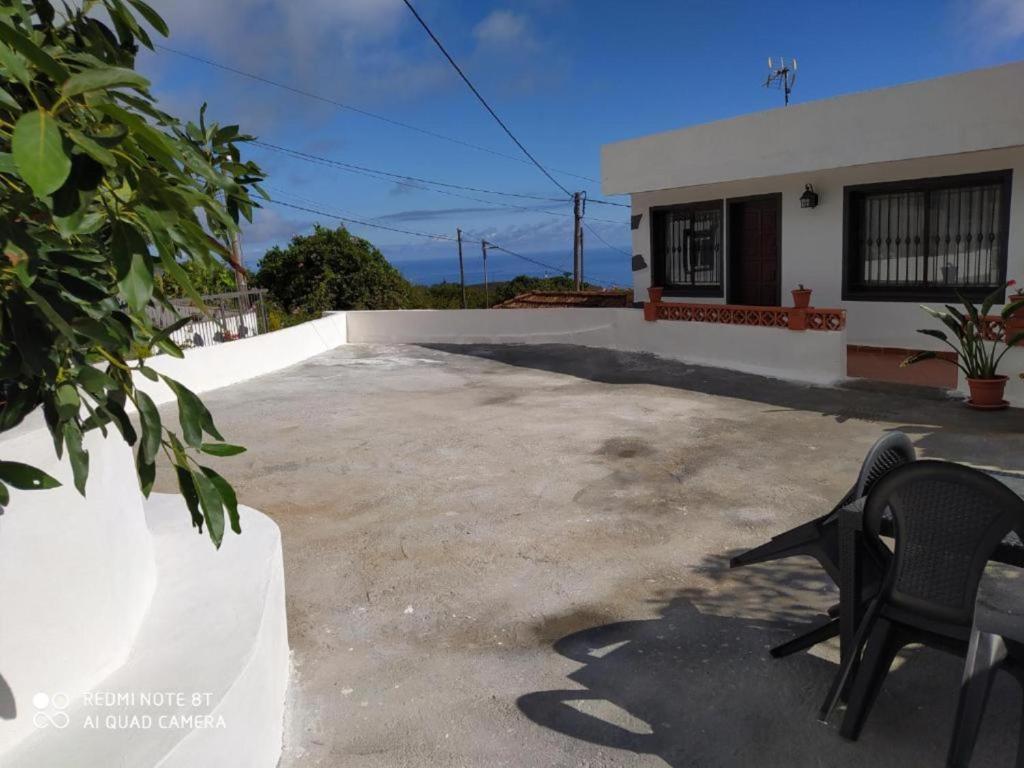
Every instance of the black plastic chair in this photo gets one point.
(948, 520)
(819, 538)
(997, 642)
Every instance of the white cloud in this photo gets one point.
(1001, 20)
(503, 28)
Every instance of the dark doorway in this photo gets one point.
(755, 251)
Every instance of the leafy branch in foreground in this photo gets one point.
(101, 195)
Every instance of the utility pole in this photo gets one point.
(579, 210)
(487, 290)
(462, 271)
(240, 282)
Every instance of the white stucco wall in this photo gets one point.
(812, 239)
(78, 573)
(968, 112)
(206, 368)
(810, 356)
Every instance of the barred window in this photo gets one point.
(928, 239)
(687, 248)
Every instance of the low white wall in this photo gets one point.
(206, 368)
(77, 574)
(810, 356)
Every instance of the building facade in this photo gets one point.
(878, 202)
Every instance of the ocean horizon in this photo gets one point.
(601, 265)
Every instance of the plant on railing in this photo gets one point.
(978, 355)
(100, 191)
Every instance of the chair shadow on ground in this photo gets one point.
(8, 706)
(942, 429)
(696, 687)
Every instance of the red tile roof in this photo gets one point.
(549, 299)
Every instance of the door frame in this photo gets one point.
(732, 256)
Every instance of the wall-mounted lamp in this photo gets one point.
(809, 199)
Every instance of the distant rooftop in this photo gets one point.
(550, 299)
(967, 112)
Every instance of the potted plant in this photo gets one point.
(801, 297)
(1015, 322)
(654, 294)
(978, 352)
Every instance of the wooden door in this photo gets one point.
(754, 250)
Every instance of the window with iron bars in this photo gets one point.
(927, 239)
(686, 248)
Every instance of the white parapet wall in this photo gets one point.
(113, 593)
(207, 368)
(78, 576)
(817, 357)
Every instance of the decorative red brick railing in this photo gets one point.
(995, 328)
(809, 319)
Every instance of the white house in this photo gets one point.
(920, 193)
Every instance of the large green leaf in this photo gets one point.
(227, 496)
(14, 64)
(99, 79)
(24, 477)
(187, 486)
(39, 152)
(77, 454)
(151, 16)
(151, 426)
(146, 472)
(221, 449)
(36, 55)
(137, 284)
(190, 412)
(213, 509)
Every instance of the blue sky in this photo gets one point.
(566, 75)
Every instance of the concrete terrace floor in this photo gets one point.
(516, 556)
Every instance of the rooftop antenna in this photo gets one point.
(781, 75)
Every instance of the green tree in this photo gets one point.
(99, 191)
(331, 270)
(204, 278)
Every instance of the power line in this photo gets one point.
(350, 220)
(483, 100)
(414, 182)
(427, 235)
(608, 202)
(559, 270)
(356, 110)
(595, 234)
(399, 176)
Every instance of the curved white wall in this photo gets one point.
(77, 573)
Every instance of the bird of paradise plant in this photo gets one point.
(979, 350)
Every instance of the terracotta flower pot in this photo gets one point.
(987, 394)
(654, 294)
(1015, 322)
(801, 298)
